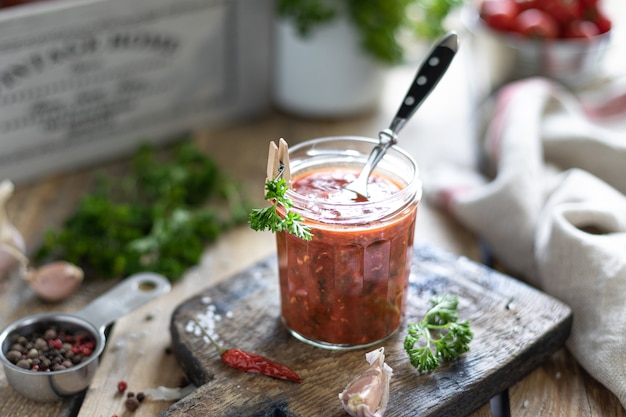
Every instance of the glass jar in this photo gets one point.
(346, 287)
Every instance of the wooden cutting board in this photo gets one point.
(515, 328)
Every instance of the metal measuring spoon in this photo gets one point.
(430, 72)
(92, 320)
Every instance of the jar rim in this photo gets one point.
(411, 186)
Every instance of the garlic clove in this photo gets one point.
(162, 393)
(367, 395)
(12, 250)
(12, 246)
(55, 281)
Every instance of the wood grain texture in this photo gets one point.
(516, 329)
(563, 383)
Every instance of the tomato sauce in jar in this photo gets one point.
(346, 287)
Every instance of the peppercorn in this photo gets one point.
(58, 367)
(55, 344)
(18, 347)
(41, 344)
(141, 396)
(121, 386)
(132, 404)
(13, 356)
(23, 363)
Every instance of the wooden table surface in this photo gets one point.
(441, 132)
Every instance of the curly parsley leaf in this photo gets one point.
(268, 218)
(439, 337)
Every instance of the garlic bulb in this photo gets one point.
(367, 394)
(12, 247)
(55, 281)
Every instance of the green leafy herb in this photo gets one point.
(306, 14)
(269, 219)
(380, 23)
(429, 21)
(439, 337)
(159, 217)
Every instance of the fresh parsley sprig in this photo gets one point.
(269, 219)
(439, 337)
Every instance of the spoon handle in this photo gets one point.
(430, 72)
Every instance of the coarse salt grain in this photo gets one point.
(207, 320)
(120, 344)
(135, 335)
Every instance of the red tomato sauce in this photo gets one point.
(327, 186)
(347, 285)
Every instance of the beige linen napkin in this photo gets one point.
(554, 211)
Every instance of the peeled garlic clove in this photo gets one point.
(55, 281)
(368, 394)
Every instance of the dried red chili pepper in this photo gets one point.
(251, 362)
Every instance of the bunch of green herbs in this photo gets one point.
(429, 19)
(379, 22)
(158, 218)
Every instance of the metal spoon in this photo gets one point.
(130, 294)
(430, 72)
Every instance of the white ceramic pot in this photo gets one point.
(326, 74)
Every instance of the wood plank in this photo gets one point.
(516, 328)
(137, 348)
(561, 388)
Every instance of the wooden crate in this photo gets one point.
(81, 81)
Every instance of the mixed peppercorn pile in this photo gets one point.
(54, 349)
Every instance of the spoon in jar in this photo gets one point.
(430, 72)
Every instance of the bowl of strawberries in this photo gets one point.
(564, 40)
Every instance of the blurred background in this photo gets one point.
(85, 81)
